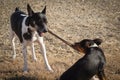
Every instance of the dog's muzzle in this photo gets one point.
(41, 33)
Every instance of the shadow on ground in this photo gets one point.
(22, 78)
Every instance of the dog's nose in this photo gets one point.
(45, 30)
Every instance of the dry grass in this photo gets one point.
(73, 20)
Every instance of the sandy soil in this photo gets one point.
(73, 20)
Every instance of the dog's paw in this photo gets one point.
(25, 69)
(25, 72)
(14, 56)
(35, 59)
(50, 69)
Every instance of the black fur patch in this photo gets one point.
(28, 35)
(29, 22)
(16, 23)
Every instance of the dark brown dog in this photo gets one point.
(91, 64)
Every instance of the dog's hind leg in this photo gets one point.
(43, 49)
(12, 38)
(33, 52)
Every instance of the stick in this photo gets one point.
(69, 44)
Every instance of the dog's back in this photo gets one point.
(85, 68)
(16, 22)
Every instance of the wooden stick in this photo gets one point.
(69, 44)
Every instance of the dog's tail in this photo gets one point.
(17, 9)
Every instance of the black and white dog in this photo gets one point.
(91, 64)
(29, 28)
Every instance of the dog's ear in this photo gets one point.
(44, 10)
(30, 11)
(98, 41)
(17, 9)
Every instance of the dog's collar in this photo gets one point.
(23, 15)
(94, 45)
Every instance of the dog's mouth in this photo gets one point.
(41, 34)
(78, 48)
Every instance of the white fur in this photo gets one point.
(24, 27)
(33, 52)
(94, 78)
(12, 38)
(23, 15)
(94, 45)
(31, 43)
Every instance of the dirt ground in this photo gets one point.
(73, 20)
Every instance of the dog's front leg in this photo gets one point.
(24, 51)
(33, 52)
(43, 49)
